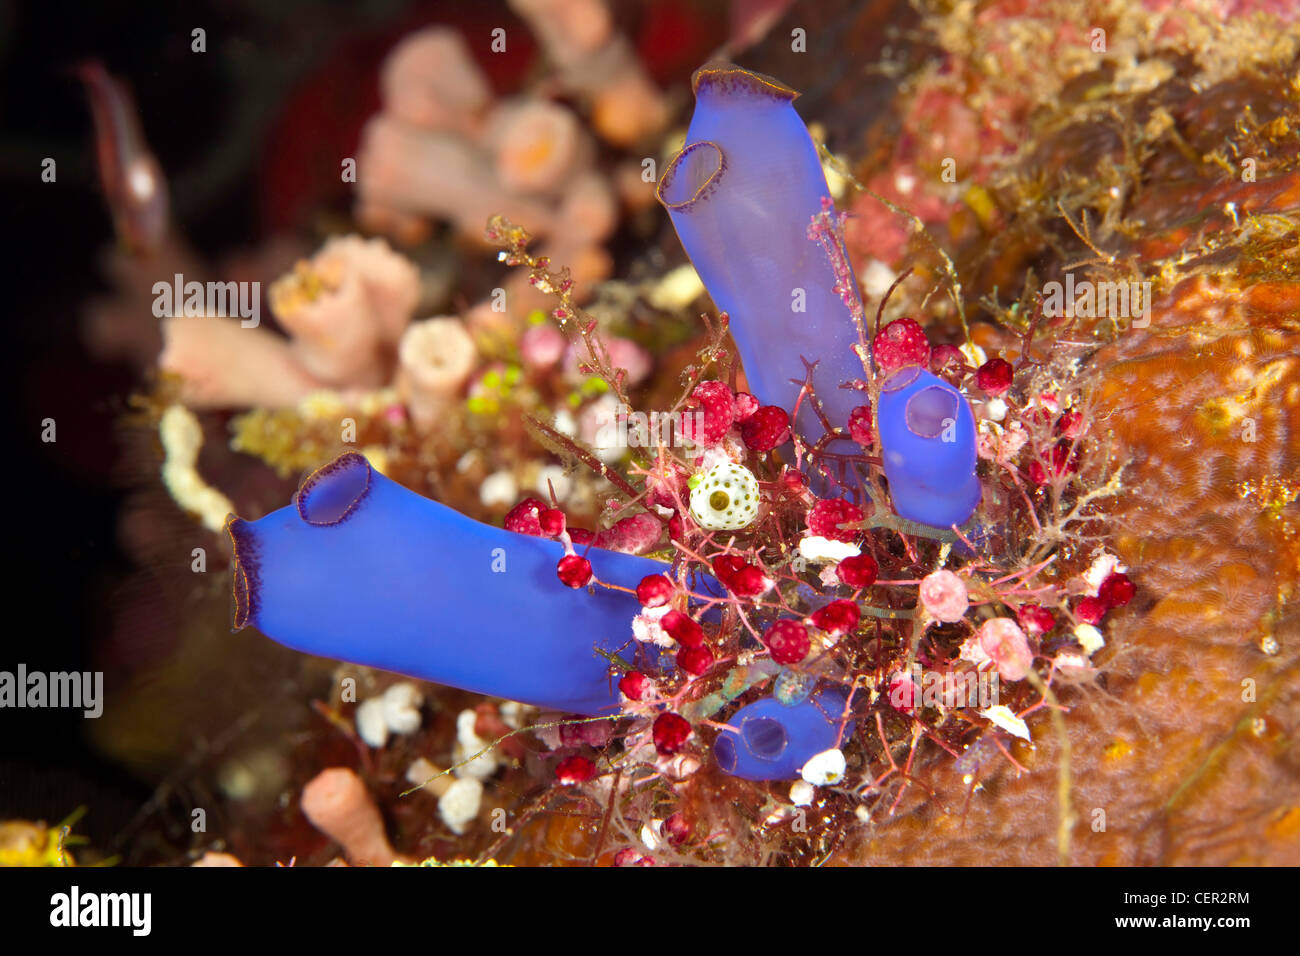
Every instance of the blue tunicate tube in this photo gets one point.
(928, 441)
(741, 195)
(360, 569)
(772, 740)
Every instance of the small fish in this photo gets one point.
(132, 179)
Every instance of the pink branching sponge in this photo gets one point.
(430, 80)
(222, 365)
(599, 65)
(436, 358)
(344, 309)
(338, 804)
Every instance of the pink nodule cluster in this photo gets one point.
(1001, 642)
(944, 596)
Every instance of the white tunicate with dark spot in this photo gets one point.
(725, 498)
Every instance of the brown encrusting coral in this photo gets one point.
(1186, 756)
(1184, 753)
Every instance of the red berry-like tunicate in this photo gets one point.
(826, 516)
(901, 342)
(1036, 416)
(1117, 590)
(1036, 619)
(746, 406)
(525, 517)
(670, 732)
(717, 410)
(947, 361)
(575, 769)
(1070, 425)
(838, 617)
(1090, 610)
(635, 534)
(581, 536)
(794, 480)
(725, 567)
(682, 629)
(994, 376)
(676, 829)
(788, 641)
(766, 428)
(655, 590)
(596, 733)
(633, 685)
(903, 692)
(749, 581)
(860, 425)
(1061, 462)
(574, 570)
(695, 660)
(858, 571)
(552, 522)
(571, 731)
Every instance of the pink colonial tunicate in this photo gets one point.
(944, 596)
(1005, 644)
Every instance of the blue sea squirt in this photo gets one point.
(741, 195)
(772, 740)
(360, 569)
(745, 194)
(927, 432)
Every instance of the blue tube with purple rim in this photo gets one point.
(927, 438)
(772, 740)
(741, 195)
(360, 569)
